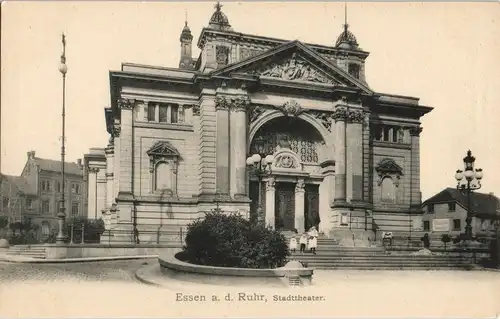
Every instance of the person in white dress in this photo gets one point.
(293, 244)
(313, 239)
(303, 242)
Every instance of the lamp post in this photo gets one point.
(61, 215)
(472, 182)
(260, 165)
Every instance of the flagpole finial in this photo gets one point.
(62, 67)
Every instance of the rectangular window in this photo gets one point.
(45, 207)
(387, 133)
(456, 224)
(377, 132)
(29, 203)
(451, 207)
(353, 70)
(58, 205)
(395, 132)
(182, 115)
(151, 112)
(75, 209)
(344, 221)
(163, 114)
(427, 225)
(58, 187)
(75, 188)
(430, 208)
(6, 203)
(174, 114)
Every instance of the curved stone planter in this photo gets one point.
(172, 266)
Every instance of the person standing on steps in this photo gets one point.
(313, 239)
(303, 242)
(293, 244)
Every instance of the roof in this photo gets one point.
(55, 166)
(481, 203)
(20, 183)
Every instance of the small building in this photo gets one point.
(44, 178)
(446, 212)
(95, 176)
(18, 198)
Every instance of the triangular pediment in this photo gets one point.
(294, 62)
(388, 166)
(163, 148)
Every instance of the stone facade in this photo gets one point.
(346, 158)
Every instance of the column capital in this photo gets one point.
(93, 170)
(355, 116)
(299, 187)
(239, 103)
(271, 184)
(340, 113)
(221, 103)
(126, 104)
(415, 130)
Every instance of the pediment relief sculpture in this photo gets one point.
(286, 159)
(388, 168)
(295, 68)
(163, 148)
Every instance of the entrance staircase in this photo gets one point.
(27, 251)
(330, 255)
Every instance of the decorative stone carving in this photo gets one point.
(163, 152)
(126, 104)
(324, 117)
(291, 108)
(254, 113)
(299, 187)
(222, 55)
(286, 161)
(116, 130)
(271, 183)
(415, 130)
(292, 69)
(247, 53)
(93, 170)
(388, 168)
(196, 110)
(339, 114)
(355, 116)
(239, 104)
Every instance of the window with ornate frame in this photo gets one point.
(389, 174)
(163, 161)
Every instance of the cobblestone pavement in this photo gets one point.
(113, 270)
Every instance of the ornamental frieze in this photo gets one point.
(126, 104)
(294, 69)
(247, 53)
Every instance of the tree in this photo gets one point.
(4, 221)
(445, 238)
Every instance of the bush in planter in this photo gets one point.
(232, 241)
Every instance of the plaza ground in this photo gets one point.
(110, 288)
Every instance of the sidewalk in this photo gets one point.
(22, 259)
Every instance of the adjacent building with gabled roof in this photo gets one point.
(446, 212)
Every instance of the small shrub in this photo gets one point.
(445, 238)
(4, 221)
(232, 241)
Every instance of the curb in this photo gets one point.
(141, 278)
(73, 260)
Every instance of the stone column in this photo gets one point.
(339, 116)
(92, 192)
(110, 157)
(116, 160)
(270, 202)
(222, 153)
(326, 194)
(205, 115)
(238, 147)
(299, 205)
(354, 131)
(415, 167)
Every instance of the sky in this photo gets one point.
(444, 53)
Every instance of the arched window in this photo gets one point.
(163, 177)
(388, 190)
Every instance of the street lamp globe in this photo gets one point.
(63, 68)
(269, 159)
(469, 175)
(459, 175)
(250, 161)
(256, 158)
(479, 174)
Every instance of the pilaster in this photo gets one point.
(222, 146)
(354, 132)
(207, 150)
(270, 202)
(238, 147)
(92, 192)
(299, 205)
(126, 148)
(110, 197)
(339, 116)
(415, 167)
(326, 195)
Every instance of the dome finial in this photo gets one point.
(346, 39)
(346, 26)
(218, 6)
(219, 20)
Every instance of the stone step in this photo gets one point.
(464, 268)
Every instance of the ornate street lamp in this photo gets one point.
(61, 215)
(472, 182)
(260, 165)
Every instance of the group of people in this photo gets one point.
(308, 240)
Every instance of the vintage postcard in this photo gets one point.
(249, 159)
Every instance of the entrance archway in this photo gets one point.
(293, 198)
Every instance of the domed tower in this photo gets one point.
(349, 60)
(219, 21)
(186, 39)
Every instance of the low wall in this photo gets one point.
(171, 266)
(53, 251)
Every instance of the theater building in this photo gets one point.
(346, 158)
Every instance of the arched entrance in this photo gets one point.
(290, 195)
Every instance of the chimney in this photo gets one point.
(31, 154)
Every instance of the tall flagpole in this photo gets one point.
(61, 215)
